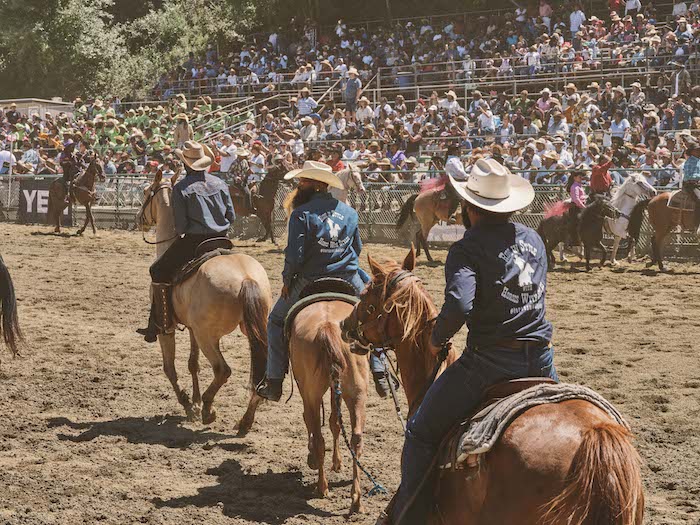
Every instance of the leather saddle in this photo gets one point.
(492, 395)
(324, 289)
(205, 251)
(680, 200)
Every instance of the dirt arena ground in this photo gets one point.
(91, 431)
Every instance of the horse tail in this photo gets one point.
(605, 482)
(406, 210)
(255, 311)
(540, 230)
(331, 343)
(9, 321)
(636, 218)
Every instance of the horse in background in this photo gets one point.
(586, 470)
(428, 208)
(9, 320)
(625, 200)
(224, 293)
(82, 192)
(554, 228)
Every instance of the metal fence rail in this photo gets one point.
(119, 199)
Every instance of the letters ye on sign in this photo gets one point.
(34, 202)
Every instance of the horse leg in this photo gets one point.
(167, 346)
(418, 243)
(356, 402)
(604, 255)
(92, 220)
(613, 255)
(633, 248)
(424, 232)
(87, 219)
(193, 366)
(335, 430)
(587, 254)
(317, 446)
(657, 245)
(212, 350)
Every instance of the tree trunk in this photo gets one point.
(388, 9)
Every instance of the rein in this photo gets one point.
(149, 203)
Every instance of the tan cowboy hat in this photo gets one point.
(316, 171)
(182, 116)
(195, 155)
(492, 187)
(242, 152)
(551, 155)
(352, 71)
(452, 94)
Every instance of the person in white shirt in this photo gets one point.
(257, 164)
(576, 19)
(450, 103)
(487, 124)
(453, 165)
(337, 125)
(632, 7)
(352, 153)
(680, 9)
(364, 113)
(7, 160)
(308, 132)
(565, 156)
(228, 152)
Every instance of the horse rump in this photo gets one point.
(604, 486)
(329, 340)
(9, 321)
(406, 210)
(255, 312)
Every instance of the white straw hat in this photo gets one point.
(316, 171)
(492, 187)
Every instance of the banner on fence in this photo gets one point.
(34, 202)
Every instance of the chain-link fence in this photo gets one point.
(119, 199)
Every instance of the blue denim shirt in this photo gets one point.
(323, 240)
(202, 205)
(691, 169)
(496, 279)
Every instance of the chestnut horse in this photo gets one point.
(663, 219)
(225, 293)
(565, 463)
(83, 192)
(320, 358)
(9, 322)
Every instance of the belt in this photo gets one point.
(515, 344)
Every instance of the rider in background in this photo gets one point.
(691, 174)
(578, 202)
(496, 279)
(70, 166)
(203, 209)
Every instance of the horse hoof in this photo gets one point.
(356, 508)
(243, 427)
(312, 461)
(208, 416)
(194, 413)
(337, 465)
(322, 492)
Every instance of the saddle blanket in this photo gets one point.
(194, 265)
(680, 200)
(483, 430)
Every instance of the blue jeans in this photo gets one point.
(453, 397)
(277, 352)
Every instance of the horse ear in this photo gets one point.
(409, 263)
(174, 178)
(158, 177)
(374, 266)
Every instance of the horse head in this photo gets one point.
(636, 186)
(156, 200)
(602, 207)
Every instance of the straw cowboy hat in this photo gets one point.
(492, 187)
(242, 152)
(182, 116)
(451, 94)
(318, 171)
(195, 155)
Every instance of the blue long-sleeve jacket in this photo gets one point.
(202, 204)
(324, 239)
(496, 279)
(691, 169)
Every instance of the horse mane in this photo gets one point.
(411, 302)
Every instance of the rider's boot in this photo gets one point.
(270, 389)
(381, 383)
(160, 320)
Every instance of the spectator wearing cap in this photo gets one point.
(364, 113)
(565, 156)
(305, 104)
(308, 131)
(450, 103)
(257, 163)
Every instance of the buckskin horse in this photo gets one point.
(428, 209)
(9, 321)
(263, 199)
(225, 293)
(565, 463)
(664, 219)
(83, 192)
(319, 359)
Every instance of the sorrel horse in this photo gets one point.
(428, 209)
(9, 321)
(320, 358)
(263, 200)
(625, 200)
(664, 219)
(558, 463)
(83, 192)
(225, 293)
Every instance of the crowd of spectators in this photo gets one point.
(591, 127)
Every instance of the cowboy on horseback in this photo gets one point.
(323, 241)
(691, 174)
(70, 165)
(496, 283)
(203, 210)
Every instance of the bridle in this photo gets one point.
(382, 318)
(148, 203)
